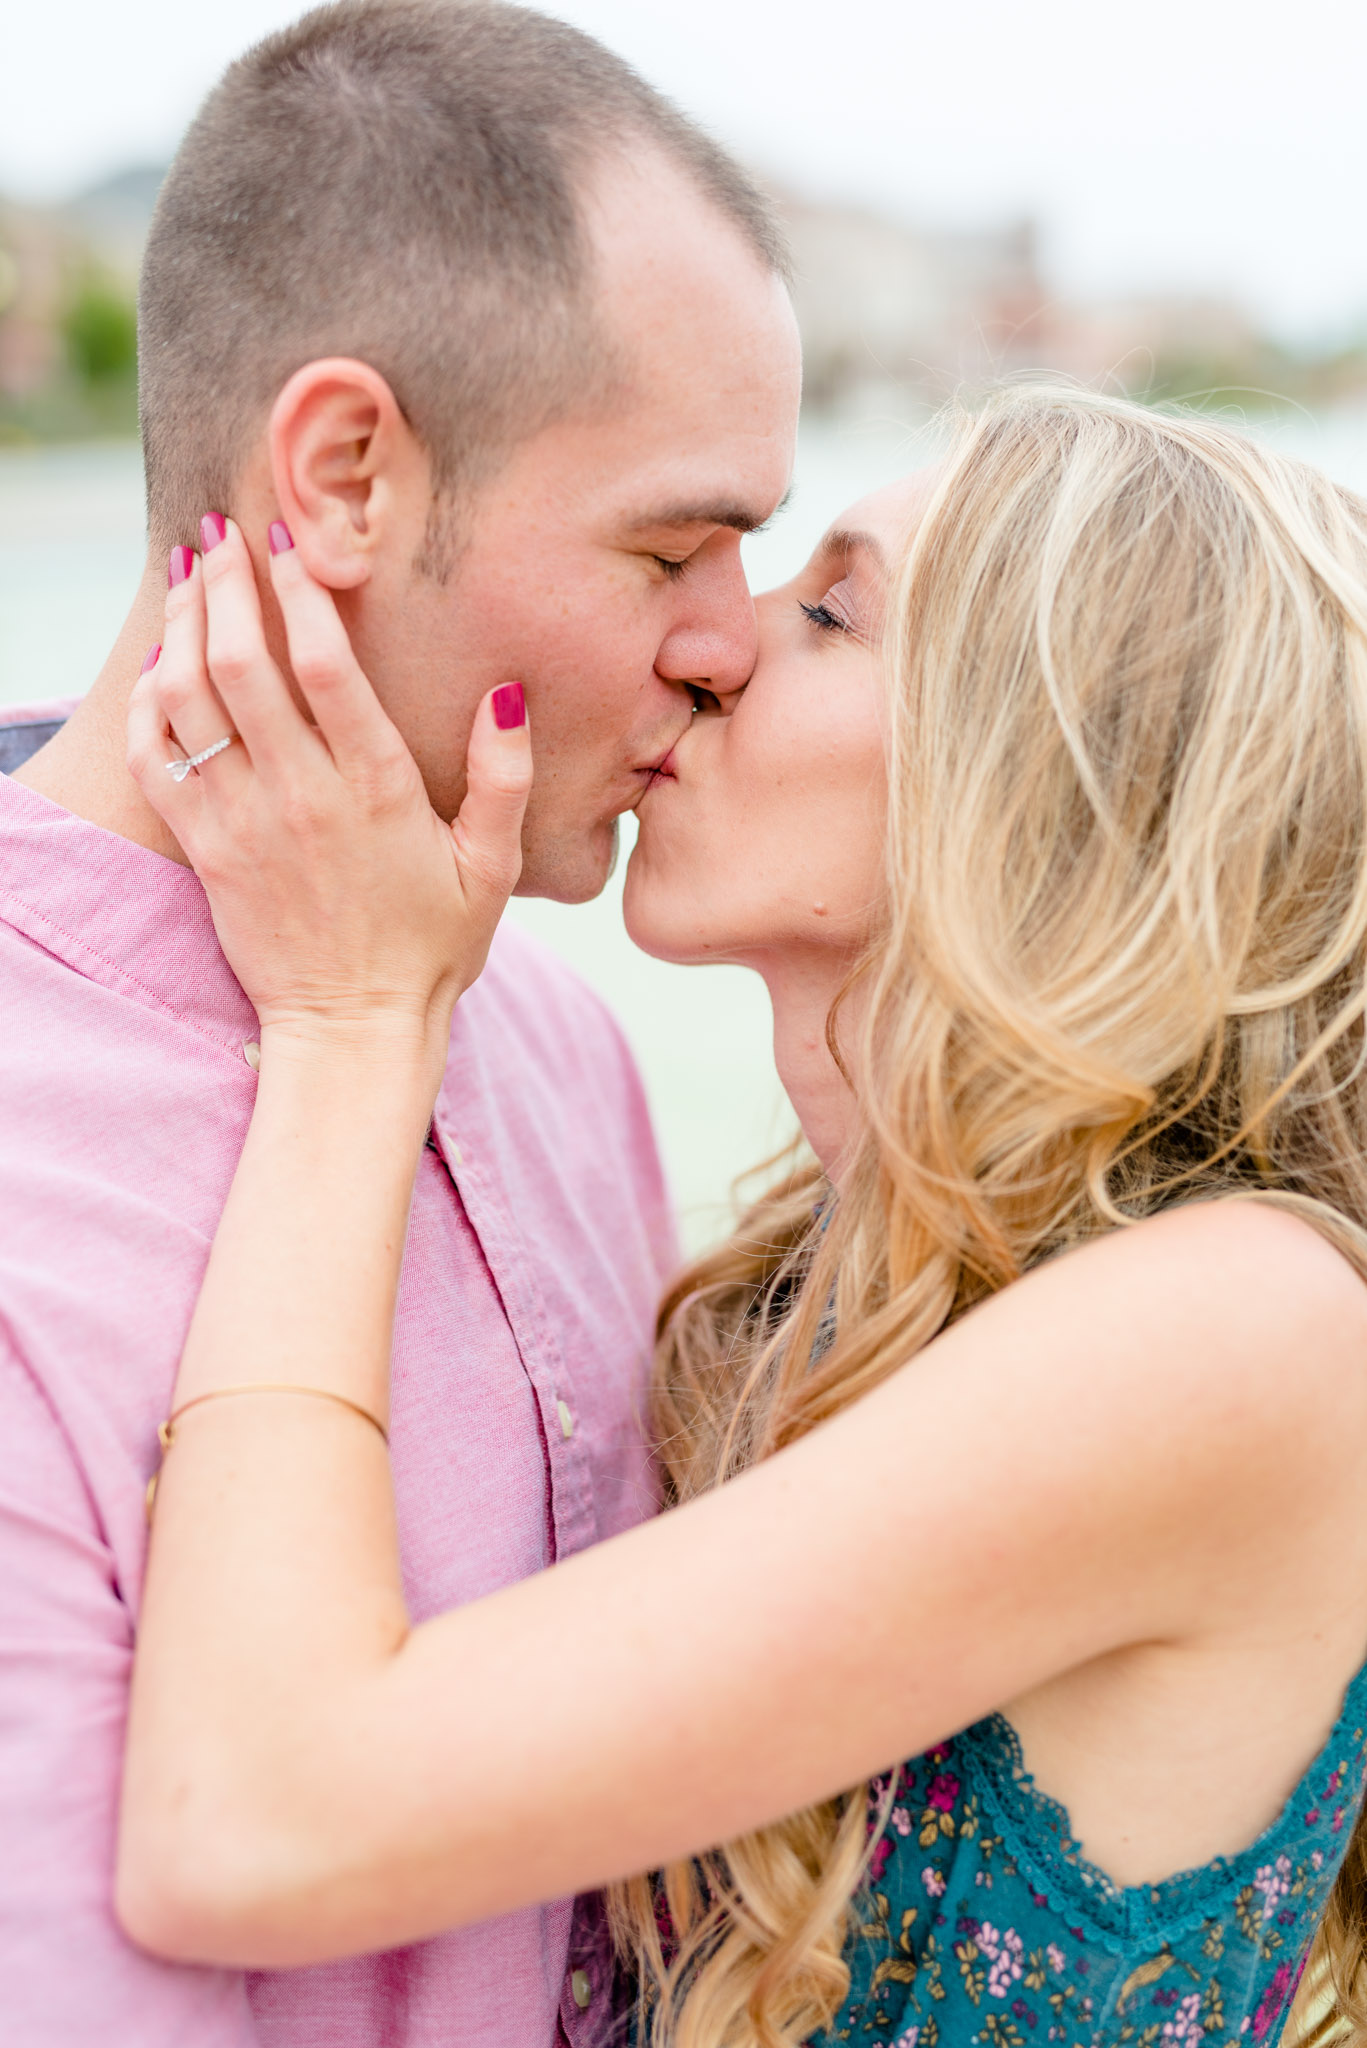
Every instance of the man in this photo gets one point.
(505, 343)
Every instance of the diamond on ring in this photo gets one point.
(178, 770)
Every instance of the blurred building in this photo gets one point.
(881, 302)
(68, 291)
(892, 313)
(34, 257)
(1154, 343)
(112, 219)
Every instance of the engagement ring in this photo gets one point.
(178, 770)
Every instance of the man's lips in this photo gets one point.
(663, 771)
(645, 778)
(664, 768)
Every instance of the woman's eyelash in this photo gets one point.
(673, 570)
(824, 618)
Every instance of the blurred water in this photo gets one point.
(71, 552)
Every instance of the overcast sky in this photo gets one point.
(1190, 144)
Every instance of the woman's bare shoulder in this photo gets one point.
(1239, 1258)
(1226, 1322)
(1235, 1256)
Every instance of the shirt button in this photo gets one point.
(566, 1420)
(581, 1989)
(251, 1053)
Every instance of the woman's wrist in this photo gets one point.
(342, 1109)
(356, 1069)
(393, 1039)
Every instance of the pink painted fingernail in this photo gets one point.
(510, 707)
(213, 528)
(150, 659)
(182, 562)
(280, 537)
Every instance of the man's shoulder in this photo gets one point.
(529, 984)
(560, 1098)
(545, 1040)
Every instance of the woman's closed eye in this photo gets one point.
(824, 619)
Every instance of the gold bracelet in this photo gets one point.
(166, 1431)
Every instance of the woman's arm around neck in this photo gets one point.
(1126, 1448)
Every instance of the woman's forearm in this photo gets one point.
(308, 1777)
(304, 1272)
(274, 1563)
(354, 916)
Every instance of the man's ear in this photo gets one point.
(346, 466)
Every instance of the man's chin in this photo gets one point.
(570, 869)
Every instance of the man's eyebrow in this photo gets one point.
(844, 540)
(710, 512)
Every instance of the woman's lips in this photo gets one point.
(663, 771)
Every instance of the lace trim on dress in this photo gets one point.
(1040, 1834)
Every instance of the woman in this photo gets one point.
(1038, 1391)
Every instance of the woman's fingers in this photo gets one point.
(331, 681)
(151, 748)
(193, 713)
(498, 780)
(254, 694)
(174, 713)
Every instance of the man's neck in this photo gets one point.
(83, 768)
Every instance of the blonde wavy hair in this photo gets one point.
(1122, 963)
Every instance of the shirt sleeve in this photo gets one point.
(68, 1976)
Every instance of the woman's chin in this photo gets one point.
(664, 938)
(662, 921)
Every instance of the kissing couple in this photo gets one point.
(938, 1616)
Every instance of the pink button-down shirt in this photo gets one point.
(537, 1244)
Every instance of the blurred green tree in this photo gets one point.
(100, 329)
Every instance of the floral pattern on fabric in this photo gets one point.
(983, 1926)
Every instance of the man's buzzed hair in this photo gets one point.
(395, 180)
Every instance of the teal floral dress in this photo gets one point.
(983, 1924)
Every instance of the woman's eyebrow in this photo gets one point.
(844, 540)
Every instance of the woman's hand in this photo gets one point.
(342, 901)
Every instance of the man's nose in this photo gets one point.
(712, 642)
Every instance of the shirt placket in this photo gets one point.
(467, 1144)
(591, 2008)
(598, 2003)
